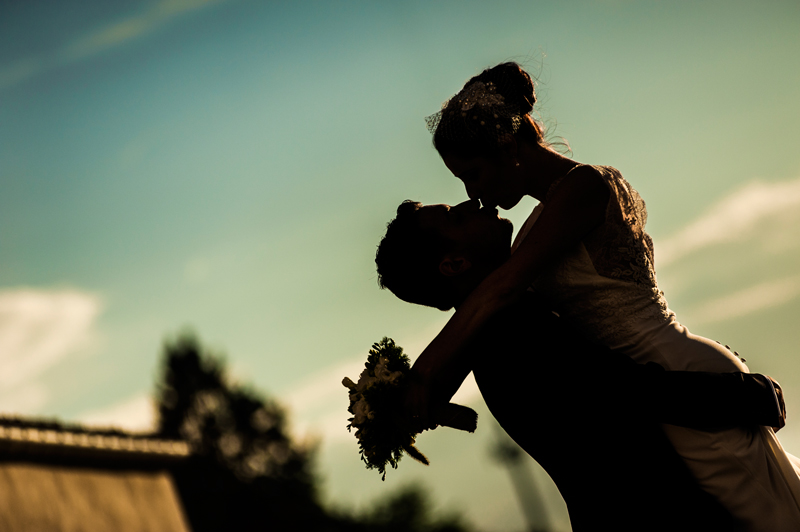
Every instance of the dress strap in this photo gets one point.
(558, 180)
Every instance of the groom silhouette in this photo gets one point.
(589, 416)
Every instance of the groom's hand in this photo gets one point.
(766, 400)
(781, 403)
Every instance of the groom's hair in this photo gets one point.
(408, 260)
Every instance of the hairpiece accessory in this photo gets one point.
(478, 111)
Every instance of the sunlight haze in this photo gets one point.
(229, 166)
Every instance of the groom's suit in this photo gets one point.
(591, 418)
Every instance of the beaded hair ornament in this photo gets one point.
(478, 111)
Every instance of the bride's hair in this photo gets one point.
(492, 105)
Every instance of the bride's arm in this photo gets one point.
(576, 207)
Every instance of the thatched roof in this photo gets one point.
(58, 477)
(54, 442)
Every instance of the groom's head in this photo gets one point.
(435, 255)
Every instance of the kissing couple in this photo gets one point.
(641, 424)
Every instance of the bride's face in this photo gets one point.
(478, 232)
(493, 181)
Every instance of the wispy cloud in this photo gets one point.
(136, 413)
(321, 389)
(100, 40)
(38, 329)
(197, 270)
(733, 218)
(22, 70)
(752, 299)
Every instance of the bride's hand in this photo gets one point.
(416, 405)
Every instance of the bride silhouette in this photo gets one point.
(585, 249)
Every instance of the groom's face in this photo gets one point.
(479, 233)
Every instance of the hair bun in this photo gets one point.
(512, 82)
(491, 106)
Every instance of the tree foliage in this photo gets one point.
(246, 473)
(409, 509)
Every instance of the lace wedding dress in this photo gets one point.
(606, 287)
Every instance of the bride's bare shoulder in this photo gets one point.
(583, 181)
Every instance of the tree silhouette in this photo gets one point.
(245, 472)
(507, 453)
(407, 510)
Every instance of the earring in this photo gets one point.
(516, 162)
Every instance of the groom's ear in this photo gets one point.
(454, 265)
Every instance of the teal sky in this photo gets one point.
(230, 166)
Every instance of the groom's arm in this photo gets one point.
(693, 398)
(527, 344)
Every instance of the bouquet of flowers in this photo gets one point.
(376, 405)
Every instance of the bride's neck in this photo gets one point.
(540, 167)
